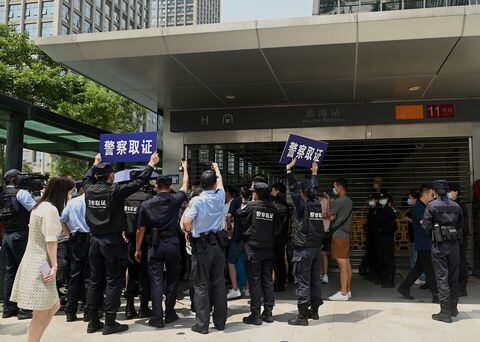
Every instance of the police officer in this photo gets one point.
(15, 207)
(203, 219)
(108, 254)
(369, 263)
(137, 270)
(158, 220)
(443, 218)
(386, 225)
(260, 224)
(280, 201)
(453, 193)
(307, 240)
(73, 215)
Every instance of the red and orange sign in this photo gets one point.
(409, 112)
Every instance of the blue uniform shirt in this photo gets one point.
(151, 215)
(207, 212)
(73, 215)
(25, 199)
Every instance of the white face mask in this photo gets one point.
(383, 202)
(410, 201)
(335, 192)
(376, 186)
(450, 195)
(371, 203)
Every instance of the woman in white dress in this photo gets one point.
(31, 289)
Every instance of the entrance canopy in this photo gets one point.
(25, 125)
(365, 57)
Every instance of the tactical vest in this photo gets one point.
(132, 208)
(103, 214)
(282, 211)
(260, 232)
(13, 216)
(309, 228)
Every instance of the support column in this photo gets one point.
(14, 146)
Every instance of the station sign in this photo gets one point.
(128, 147)
(305, 150)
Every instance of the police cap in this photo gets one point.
(261, 187)
(208, 178)
(454, 187)
(103, 169)
(440, 185)
(164, 180)
(11, 174)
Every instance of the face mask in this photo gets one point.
(371, 203)
(383, 202)
(410, 201)
(450, 195)
(376, 186)
(335, 192)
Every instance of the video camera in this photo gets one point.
(31, 181)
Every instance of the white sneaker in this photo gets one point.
(419, 282)
(234, 294)
(246, 292)
(339, 297)
(349, 295)
(325, 279)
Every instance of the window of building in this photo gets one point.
(180, 2)
(189, 2)
(132, 25)
(77, 5)
(87, 12)
(47, 11)
(139, 19)
(171, 10)
(139, 7)
(189, 19)
(189, 9)
(65, 12)
(117, 3)
(180, 10)
(106, 24)
(116, 27)
(17, 28)
(108, 8)
(2, 13)
(87, 27)
(162, 21)
(180, 19)
(170, 2)
(124, 23)
(132, 13)
(31, 29)
(77, 22)
(116, 17)
(124, 6)
(98, 17)
(31, 10)
(98, 3)
(97, 29)
(170, 20)
(64, 30)
(47, 28)
(14, 12)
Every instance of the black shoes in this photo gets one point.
(302, 318)
(253, 319)
(130, 312)
(171, 318)
(444, 315)
(24, 314)
(144, 312)
(454, 309)
(71, 317)
(405, 293)
(156, 323)
(8, 314)
(94, 323)
(112, 326)
(267, 316)
(198, 329)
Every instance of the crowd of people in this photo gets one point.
(134, 238)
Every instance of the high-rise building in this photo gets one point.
(184, 12)
(60, 17)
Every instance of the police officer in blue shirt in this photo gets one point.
(158, 220)
(443, 219)
(73, 215)
(15, 207)
(202, 222)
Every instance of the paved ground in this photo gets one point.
(374, 314)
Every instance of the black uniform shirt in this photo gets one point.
(161, 212)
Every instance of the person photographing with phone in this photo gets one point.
(33, 290)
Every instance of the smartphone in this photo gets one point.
(45, 269)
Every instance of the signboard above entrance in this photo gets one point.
(323, 115)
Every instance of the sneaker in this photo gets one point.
(246, 292)
(339, 297)
(234, 294)
(325, 279)
(419, 282)
(349, 295)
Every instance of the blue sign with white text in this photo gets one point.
(305, 150)
(128, 147)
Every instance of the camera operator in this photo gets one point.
(15, 207)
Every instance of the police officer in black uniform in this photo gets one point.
(138, 280)
(158, 220)
(443, 218)
(369, 265)
(386, 225)
(280, 268)
(307, 240)
(259, 225)
(15, 207)
(108, 253)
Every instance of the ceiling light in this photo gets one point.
(414, 88)
(230, 97)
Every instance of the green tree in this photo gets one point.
(28, 74)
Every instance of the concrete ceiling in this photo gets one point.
(340, 58)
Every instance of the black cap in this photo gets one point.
(440, 185)
(373, 195)
(10, 174)
(306, 185)
(454, 187)
(208, 178)
(103, 169)
(164, 180)
(260, 186)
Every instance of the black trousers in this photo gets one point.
(208, 273)
(259, 268)
(138, 280)
(463, 274)
(388, 266)
(63, 261)
(108, 262)
(166, 255)
(422, 265)
(446, 263)
(307, 268)
(13, 246)
(280, 267)
(79, 270)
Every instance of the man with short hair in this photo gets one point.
(341, 212)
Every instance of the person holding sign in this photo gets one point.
(108, 254)
(307, 240)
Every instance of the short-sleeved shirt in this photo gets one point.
(51, 226)
(207, 212)
(73, 215)
(235, 205)
(150, 217)
(342, 209)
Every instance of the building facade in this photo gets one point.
(184, 12)
(60, 17)
(321, 7)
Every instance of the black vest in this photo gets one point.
(104, 215)
(261, 225)
(284, 222)
(309, 231)
(132, 208)
(13, 216)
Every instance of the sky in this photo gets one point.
(243, 10)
